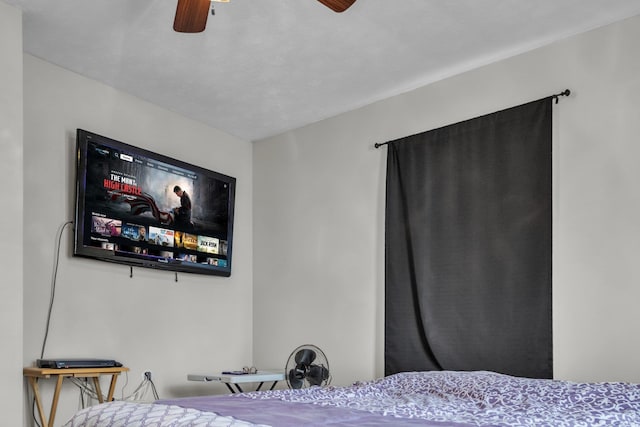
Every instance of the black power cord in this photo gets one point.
(54, 275)
(147, 376)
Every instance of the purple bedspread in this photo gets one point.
(278, 413)
(443, 399)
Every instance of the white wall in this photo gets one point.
(11, 214)
(319, 203)
(148, 322)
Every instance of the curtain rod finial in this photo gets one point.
(557, 96)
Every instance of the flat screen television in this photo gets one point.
(140, 208)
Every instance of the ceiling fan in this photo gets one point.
(191, 15)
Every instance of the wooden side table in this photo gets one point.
(34, 374)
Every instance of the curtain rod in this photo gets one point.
(555, 97)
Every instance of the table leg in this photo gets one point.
(36, 395)
(96, 385)
(54, 403)
(112, 387)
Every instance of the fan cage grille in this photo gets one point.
(298, 375)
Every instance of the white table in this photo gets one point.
(230, 379)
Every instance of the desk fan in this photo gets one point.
(307, 366)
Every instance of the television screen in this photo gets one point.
(141, 208)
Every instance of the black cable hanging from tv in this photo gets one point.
(555, 97)
(54, 278)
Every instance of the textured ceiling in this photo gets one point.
(263, 67)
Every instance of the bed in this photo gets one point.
(442, 399)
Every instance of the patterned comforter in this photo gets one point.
(121, 414)
(459, 399)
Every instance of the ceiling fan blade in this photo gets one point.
(338, 5)
(191, 16)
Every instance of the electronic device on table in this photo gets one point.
(77, 363)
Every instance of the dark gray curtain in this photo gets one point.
(468, 246)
